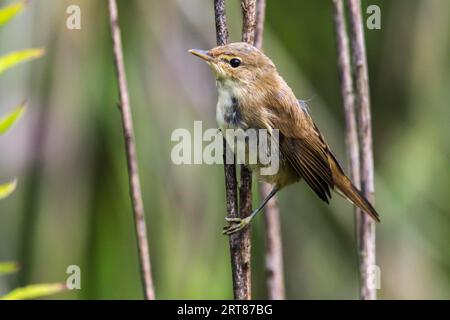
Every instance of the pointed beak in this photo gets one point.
(201, 54)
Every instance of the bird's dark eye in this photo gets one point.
(235, 62)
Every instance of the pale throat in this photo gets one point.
(228, 113)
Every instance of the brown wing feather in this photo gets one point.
(307, 152)
(301, 143)
(310, 163)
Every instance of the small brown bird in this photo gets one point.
(251, 94)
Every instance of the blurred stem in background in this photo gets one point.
(131, 152)
(33, 187)
(365, 226)
(348, 98)
(32, 195)
(274, 247)
(365, 231)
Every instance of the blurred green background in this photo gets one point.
(72, 205)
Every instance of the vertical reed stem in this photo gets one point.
(347, 92)
(365, 226)
(240, 241)
(274, 248)
(130, 148)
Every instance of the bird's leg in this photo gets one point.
(237, 224)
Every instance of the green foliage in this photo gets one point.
(9, 12)
(6, 189)
(6, 122)
(8, 267)
(28, 292)
(8, 61)
(12, 59)
(34, 291)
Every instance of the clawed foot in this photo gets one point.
(236, 224)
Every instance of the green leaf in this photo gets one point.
(8, 267)
(34, 291)
(9, 60)
(6, 122)
(7, 188)
(9, 12)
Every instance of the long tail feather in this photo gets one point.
(344, 187)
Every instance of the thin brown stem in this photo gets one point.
(347, 92)
(245, 209)
(248, 20)
(245, 190)
(238, 266)
(274, 248)
(221, 22)
(260, 18)
(348, 99)
(365, 226)
(130, 148)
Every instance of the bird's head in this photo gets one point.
(238, 62)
